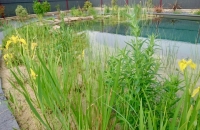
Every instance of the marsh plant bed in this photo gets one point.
(20, 108)
(55, 80)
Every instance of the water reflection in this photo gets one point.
(170, 29)
(183, 49)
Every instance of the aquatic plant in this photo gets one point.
(11, 48)
(138, 74)
(41, 8)
(149, 4)
(92, 11)
(106, 9)
(67, 85)
(87, 5)
(76, 12)
(113, 3)
(21, 12)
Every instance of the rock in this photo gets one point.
(66, 19)
(56, 27)
(57, 20)
(74, 18)
(49, 21)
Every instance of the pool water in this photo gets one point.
(170, 29)
(181, 35)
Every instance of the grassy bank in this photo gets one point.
(68, 85)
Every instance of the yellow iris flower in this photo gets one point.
(192, 64)
(33, 75)
(195, 92)
(183, 64)
(14, 39)
(8, 56)
(22, 41)
(8, 43)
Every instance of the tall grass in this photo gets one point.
(69, 86)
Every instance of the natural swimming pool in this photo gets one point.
(181, 35)
(163, 28)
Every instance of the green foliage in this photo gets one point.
(177, 12)
(87, 5)
(138, 73)
(197, 12)
(58, 7)
(115, 10)
(106, 9)
(76, 12)
(170, 87)
(37, 7)
(41, 8)
(92, 11)
(79, 88)
(58, 69)
(46, 6)
(21, 12)
(149, 3)
(185, 112)
(124, 11)
(113, 3)
(114, 7)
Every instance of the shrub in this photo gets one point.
(37, 8)
(106, 9)
(58, 8)
(197, 12)
(87, 5)
(113, 3)
(21, 12)
(46, 6)
(92, 11)
(2, 8)
(75, 12)
(41, 8)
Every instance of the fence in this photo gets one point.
(186, 4)
(11, 5)
(67, 4)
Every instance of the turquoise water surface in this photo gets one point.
(163, 28)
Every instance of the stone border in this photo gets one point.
(7, 120)
(34, 15)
